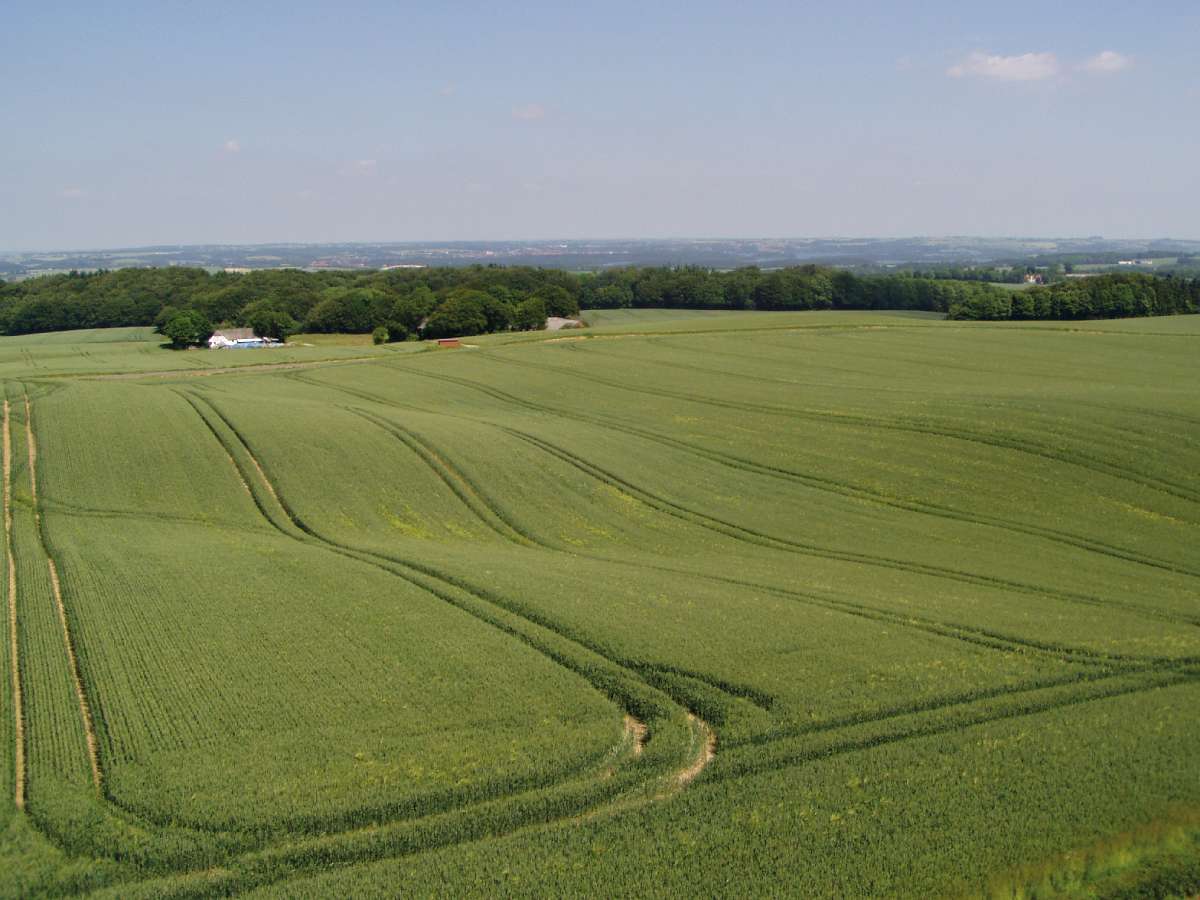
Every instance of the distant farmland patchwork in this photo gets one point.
(688, 603)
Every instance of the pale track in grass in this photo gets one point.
(708, 750)
(638, 730)
(18, 710)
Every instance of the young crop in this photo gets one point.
(825, 603)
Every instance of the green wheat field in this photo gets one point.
(681, 604)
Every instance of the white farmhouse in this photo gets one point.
(229, 337)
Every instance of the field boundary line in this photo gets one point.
(85, 710)
(18, 707)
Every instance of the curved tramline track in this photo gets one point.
(14, 644)
(807, 479)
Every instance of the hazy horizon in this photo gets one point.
(614, 239)
(148, 125)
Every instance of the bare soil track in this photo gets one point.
(708, 749)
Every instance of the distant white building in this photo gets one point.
(239, 339)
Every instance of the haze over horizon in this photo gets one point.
(617, 239)
(149, 125)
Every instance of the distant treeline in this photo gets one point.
(1114, 296)
(437, 302)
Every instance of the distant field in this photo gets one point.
(125, 350)
(720, 320)
(1152, 263)
(682, 604)
(332, 340)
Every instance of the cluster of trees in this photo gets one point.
(183, 302)
(1112, 296)
(796, 287)
(441, 302)
(1012, 273)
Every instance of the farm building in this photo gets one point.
(238, 339)
(449, 342)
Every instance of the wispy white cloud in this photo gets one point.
(1106, 62)
(233, 145)
(72, 193)
(1024, 67)
(363, 168)
(448, 90)
(530, 112)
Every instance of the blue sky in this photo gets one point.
(138, 123)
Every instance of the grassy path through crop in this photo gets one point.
(14, 649)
